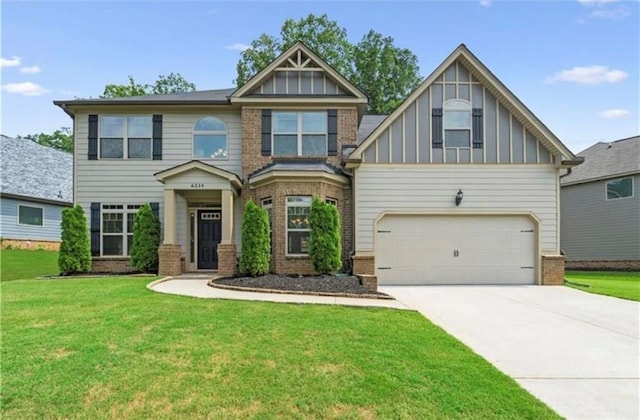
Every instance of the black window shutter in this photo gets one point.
(93, 137)
(157, 137)
(155, 208)
(332, 132)
(95, 229)
(436, 128)
(266, 132)
(476, 127)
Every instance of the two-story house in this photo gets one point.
(458, 185)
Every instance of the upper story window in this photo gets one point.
(299, 134)
(457, 123)
(619, 188)
(125, 137)
(210, 139)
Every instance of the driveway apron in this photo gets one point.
(577, 352)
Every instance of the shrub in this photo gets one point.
(256, 240)
(75, 251)
(146, 240)
(325, 248)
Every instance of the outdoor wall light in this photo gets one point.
(459, 197)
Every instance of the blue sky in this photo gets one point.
(574, 63)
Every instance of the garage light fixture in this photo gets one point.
(459, 197)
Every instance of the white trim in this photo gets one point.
(125, 136)
(123, 209)
(300, 133)
(28, 224)
(286, 223)
(606, 188)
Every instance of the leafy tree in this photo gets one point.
(61, 139)
(146, 240)
(132, 89)
(256, 241)
(386, 73)
(75, 252)
(325, 248)
(173, 83)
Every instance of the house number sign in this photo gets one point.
(197, 186)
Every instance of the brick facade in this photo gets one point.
(116, 265)
(227, 259)
(169, 256)
(552, 270)
(364, 265)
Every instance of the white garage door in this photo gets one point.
(418, 249)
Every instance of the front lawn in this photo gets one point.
(97, 348)
(27, 264)
(623, 285)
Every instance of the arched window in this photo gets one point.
(457, 123)
(210, 139)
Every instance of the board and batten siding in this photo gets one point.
(122, 181)
(409, 138)
(594, 228)
(425, 188)
(10, 229)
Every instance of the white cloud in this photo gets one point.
(604, 9)
(485, 3)
(613, 14)
(25, 89)
(596, 2)
(10, 62)
(615, 114)
(238, 47)
(589, 75)
(30, 70)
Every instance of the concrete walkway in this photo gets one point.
(578, 352)
(195, 285)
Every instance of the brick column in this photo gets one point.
(226, 259)
(552, 270)
(363, 264)
(169, 260)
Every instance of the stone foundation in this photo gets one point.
(170, 262)
(113, 265)
(624, 265)
(30, 244)
(363, 265)
(369, 282)
(227, 259)
(552, 270)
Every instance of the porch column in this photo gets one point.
(170, 231)
(227, 216)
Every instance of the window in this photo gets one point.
(125, 137)
(299, 134)
(619, 188)
(32, 216)
(267, 204)
(298, 228)
(117, 228)
(210, 139)
(457, 123)
(331, 201)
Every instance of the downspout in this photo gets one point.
(567, 174)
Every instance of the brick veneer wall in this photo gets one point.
(552, 270)
(170, 261)
(116, 265)
(226, 259)
(364, 265)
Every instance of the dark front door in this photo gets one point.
(209, 236)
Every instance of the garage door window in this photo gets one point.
(298, 228)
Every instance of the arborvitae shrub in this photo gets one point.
(75, 251)
(146, 240)
(325, 248)
(256, 241)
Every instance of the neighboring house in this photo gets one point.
(36, 187)
(297, 130)
(601, 208)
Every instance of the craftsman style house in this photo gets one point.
(459, 185)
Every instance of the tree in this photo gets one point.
(173, 83)
(325, 248)
(146, 240)
(256, 240)
(385, 73)
(75, 252)
(61, 139)
(389, 73)
(132, 89)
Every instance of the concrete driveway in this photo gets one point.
(577, 352)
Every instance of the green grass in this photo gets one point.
(26, 264)
(625, 285)
(110, 348)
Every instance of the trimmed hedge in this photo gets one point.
(325, 245)
(146, 240)
(75, 250)
(256, 241)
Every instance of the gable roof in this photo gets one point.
(368, 124)
(33, 171)
(607, 160)
(165, 174)
(495, 86)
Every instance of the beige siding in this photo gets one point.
(133, 181)
(431, 188)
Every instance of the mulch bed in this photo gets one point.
(325, 285)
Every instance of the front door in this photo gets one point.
(209, 236)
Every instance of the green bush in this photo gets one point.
(256, 241)
(75, 251)
(146, 240)
(325, 248)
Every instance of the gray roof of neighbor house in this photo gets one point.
(607, 160)
(368, 124)
(220, 96)
(35, 171)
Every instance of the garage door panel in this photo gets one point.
(455, 250)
